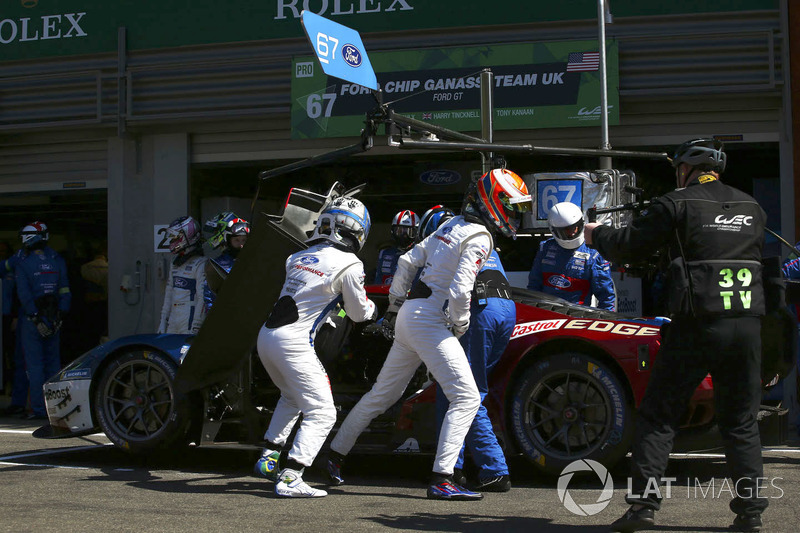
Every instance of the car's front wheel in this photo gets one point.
(136, 404)
(570, 406)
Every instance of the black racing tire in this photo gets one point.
(570, 406)
(136, 405)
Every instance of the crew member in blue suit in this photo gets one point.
(43, 290)
(12, 341)
(404, 233)
(229, 231)
(493, 317)
(566, 267)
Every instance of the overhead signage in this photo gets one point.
(42, 28)
(536, 85)
(339, 50)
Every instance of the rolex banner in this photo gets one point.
(536, 85)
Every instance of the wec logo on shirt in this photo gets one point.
(736, 220)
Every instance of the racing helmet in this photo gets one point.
(237, 226)
(566, 224)
(34, 234)
(215, 228)
(404, 229)
(431, 220)
(184, 235)
(703, 154)
(498, 199)
(345, 221)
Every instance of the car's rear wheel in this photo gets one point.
(570, 406)
(136, 404)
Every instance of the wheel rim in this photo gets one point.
(568, 414)
(138, 399)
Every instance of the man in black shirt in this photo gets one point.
(713, 235)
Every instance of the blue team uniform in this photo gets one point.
(387, 264)
(42, 273)
(491, 324)
(19, 383)
(225, 260)
(574, 275)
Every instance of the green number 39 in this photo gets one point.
(745, 277)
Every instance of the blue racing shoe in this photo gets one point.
(447, 490)
(334, 470)
(267, 465)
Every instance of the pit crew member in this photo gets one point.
(565, 267)
(317, 279)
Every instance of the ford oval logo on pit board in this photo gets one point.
(351, 55)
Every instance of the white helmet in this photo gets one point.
(345, 222)
(566, 224)
(184, 235)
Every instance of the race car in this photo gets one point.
(566, 388)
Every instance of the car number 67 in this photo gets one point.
(323, 48)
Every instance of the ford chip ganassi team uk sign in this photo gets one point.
(339, 50)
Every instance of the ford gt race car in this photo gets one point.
(566, 388)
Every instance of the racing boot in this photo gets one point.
(459, 478)
(291, 485)
(493, 484)
(444, 488)
(267, 465)
(334, 469)
(634, 520)
(745, 522)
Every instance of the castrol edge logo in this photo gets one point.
(615, 328)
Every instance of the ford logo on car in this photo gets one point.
(351, 55)
(440, 177)
(559, 281)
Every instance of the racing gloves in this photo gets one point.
(45, 328)
(459, 329)
(389, 319)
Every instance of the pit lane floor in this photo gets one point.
(86, 484)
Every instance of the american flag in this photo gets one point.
(583, 61)
(426, 116)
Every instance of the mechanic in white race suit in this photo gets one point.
(183, 310)
(317, 279)
(429, 324)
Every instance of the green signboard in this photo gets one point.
(42, 28)
(536, 85)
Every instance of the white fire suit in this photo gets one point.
(451, 258)
(183, 310)
(316, 280)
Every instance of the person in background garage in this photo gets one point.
(229, 231)
(13, 356)
(714, 236)
(43, 290)
(183, 310)
(404, 232)
(565, 267)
